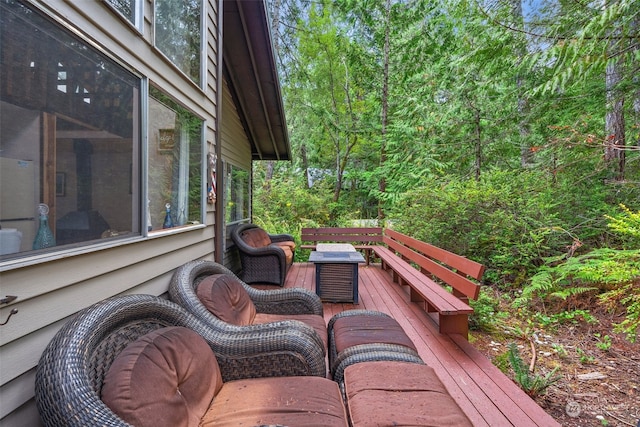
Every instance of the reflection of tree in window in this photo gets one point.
(238, 194)
(68, 117)
(175, 160)
(177, 33)
(125, 7)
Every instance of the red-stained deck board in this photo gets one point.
(486, 395)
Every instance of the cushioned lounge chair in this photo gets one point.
(225, 303)
(265, 257)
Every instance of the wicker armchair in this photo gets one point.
(287, 302)
(265, 257)
(71, 371)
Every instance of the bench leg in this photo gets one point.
(454, 324)
(416, 297)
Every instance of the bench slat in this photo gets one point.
(458, 282)
(458, 262)
(445, 302)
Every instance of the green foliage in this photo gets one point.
(612, 273)
(507, 221)
(575, 317)
(282, 204)
(491, 146)
(604, 342)
(533, 384)
(585, 359)
(627, 224)
(628, 297)
(486, 312)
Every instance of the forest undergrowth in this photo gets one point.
(587, 374)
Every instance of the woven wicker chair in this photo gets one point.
(267, 263)
(70, 374)
(182, 290)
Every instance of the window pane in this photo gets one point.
(237, 194)
(175, 164)
(126, 8)
(177, 33)
(68, 139)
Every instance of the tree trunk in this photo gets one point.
(526, 157)
(614, 151)
(478, 145)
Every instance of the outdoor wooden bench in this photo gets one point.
(362, 238)
(418, 265)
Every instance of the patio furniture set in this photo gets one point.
(223, 353)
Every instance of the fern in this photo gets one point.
(626, 224)
(614, 273)
(533, 384)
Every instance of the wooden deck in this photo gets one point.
(486, 395)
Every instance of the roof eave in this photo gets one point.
(251, 68)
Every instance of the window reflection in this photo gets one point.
(178, 34)
(175, 163)
(68, 139)
(238, 197)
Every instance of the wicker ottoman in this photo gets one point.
(399, 394)
(363, 335)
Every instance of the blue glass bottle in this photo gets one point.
(168, 222)
(44, 236)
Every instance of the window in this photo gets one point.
(178, 34)
(175, 164)
(69, 118)
(130, 9)
(237, 194)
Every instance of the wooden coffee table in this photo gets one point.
(336, 271)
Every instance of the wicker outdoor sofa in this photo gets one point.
(265, 257)
(74, 374)
(144, 361)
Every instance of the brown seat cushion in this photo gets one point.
(288, 243)
(291, 401)
(314, 320)
(399, 393)
(167, 377)
(225, 297)
(288, 253)
(366, 329)
(256, 237)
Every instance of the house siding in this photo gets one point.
(51, 289)
(236, 149)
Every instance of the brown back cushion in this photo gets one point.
(167, 377)
(256, 237)
(225, 297)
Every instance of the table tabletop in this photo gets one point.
(335, 247)
(319, 257)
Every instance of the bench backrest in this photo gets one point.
(430, 259)
(353, 235)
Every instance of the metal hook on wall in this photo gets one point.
(6, 300)
(11, 313)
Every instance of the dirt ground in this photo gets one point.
(599, 371)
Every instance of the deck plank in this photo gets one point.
(488, 397)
